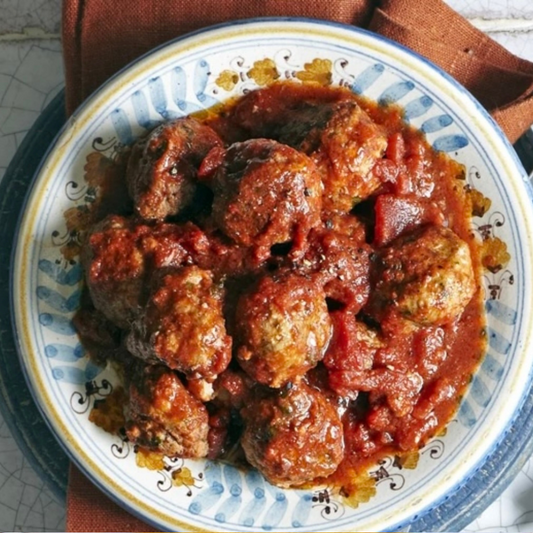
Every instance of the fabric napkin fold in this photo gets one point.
(100, 37)
(89, 510)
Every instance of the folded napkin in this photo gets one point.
(89, 510)
(101, 36)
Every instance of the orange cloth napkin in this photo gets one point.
(89, 510)
(101, 36)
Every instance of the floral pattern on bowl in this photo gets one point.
(192, 75)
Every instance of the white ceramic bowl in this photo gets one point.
(193, 73)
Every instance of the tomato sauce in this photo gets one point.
(347, 279)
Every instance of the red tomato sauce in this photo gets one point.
(299, 265)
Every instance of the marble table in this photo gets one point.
(31, 75)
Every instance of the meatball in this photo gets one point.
(283, 327)
(161, 171)
(115, 268)
(120, 254)
(162, 416)
(333, 129)
(350, 144)
(426, 277)
(266, 193)
(286, 113)
(182, 325)
(293, 436)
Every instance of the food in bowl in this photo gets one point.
(293, 284)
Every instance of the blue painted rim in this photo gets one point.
(354, 29)
(453, 512)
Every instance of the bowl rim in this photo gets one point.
(85, 107)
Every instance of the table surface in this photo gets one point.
(31, 74)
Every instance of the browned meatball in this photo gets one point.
(283, 327)
(293, 436)
(182, 325)
(343, 141)
(350, 145)
(287, 113)
(161, 171)
(266, 193)
(426, 277)
(120, 254)
(333, 129)
(162, 416)
(115, 268)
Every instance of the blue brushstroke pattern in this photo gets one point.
(275, 512)
(65, 353)
(208, 497)
(254, 479)
(92, 370)
(417, 107)
(158, 97)
(479, 392)
(256, 486)
(57, 323)
(57, 301)
(302, 509)
(450, 143)
(364, 80)
(122, 126)
(178, 91)
(466, 414)
(231, 504)
(72, 374)
(142, 111)
(498, 342)
(59, 274)
(502, 312)
(436, 123)
(395, 92)
(201, 76)
(178, 86)
(491, 367)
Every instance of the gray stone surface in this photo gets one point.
(17, 15)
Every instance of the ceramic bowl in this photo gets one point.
(194, 73)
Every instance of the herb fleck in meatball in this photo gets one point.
(162, 167)
(426, 277)
(162, 416)
(283, 329)
(266, 193)
(293, 436)
(182, 325)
